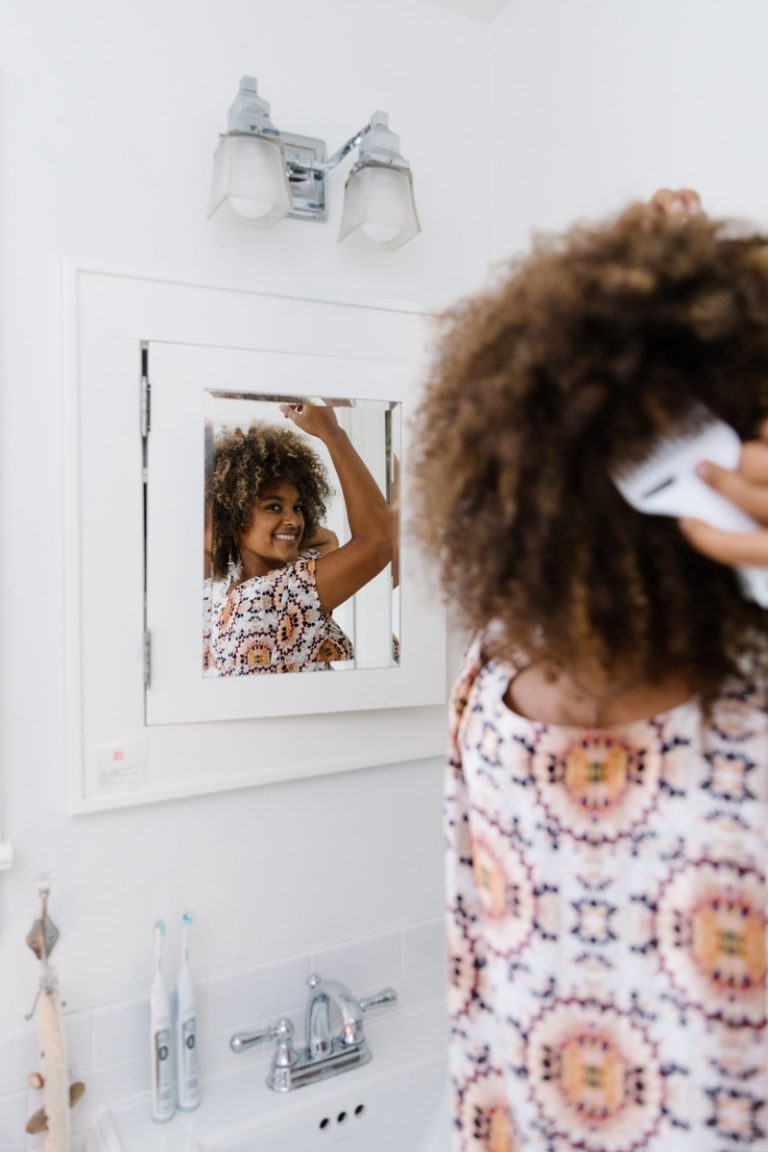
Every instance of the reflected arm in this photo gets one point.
(342, 572)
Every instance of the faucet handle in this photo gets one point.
(285, 1054)
(386, 996)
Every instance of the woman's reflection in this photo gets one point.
(276, 572)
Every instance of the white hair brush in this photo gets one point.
(665, 484)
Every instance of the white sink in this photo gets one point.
(398, 1101)
(407, 1112)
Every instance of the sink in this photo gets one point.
(397, 1101)
(408, 1112)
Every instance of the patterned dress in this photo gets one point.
(272, 623)
(607, 926)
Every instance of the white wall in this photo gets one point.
(109, 115)
(600, 102)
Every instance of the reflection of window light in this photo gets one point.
(388, 471)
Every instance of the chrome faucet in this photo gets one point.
(335, 1040)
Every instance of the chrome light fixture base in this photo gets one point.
(303, 154)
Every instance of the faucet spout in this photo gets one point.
(332, 1011)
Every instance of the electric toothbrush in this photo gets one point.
(160, 1037)
(186, 1026)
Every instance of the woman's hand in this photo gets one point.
(314, 419)
(323, 540)
(677, 202)
(747, 487)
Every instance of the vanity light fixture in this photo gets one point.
(261, 175)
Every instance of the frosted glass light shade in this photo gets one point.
(250, 185)
(379, 209)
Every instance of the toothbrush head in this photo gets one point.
(160, 927)
(187, 919)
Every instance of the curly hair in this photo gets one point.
(244, 465)
(573, 364)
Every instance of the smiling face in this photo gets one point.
(274, 535)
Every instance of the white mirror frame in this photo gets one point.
(115, 759)
(178, 691)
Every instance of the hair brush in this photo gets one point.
(665, 484)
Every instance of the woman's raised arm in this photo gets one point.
(339, 574)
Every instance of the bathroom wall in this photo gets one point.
(109, 115)
(600, 103)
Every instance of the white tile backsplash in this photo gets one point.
(13, 1117)
(237, 999)
(112, 1083)
(108, 1046)
(19, 1055)
(216, 1056)
(361, 963)
(120, 1031)
(423, 946)
(429, 984)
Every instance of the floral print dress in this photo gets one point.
(607, 926)
(272, 623)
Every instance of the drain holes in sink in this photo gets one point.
(340, 1119)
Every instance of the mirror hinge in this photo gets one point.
(145, 407)
(144, 400)
(147, 658)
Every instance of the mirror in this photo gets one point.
(144, 722)
(267, 618)
(378, 632)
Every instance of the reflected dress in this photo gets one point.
(270, 624)
(607, 926)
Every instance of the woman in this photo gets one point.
(278, 573)
(608, 781)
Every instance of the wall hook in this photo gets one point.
(43, 934)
